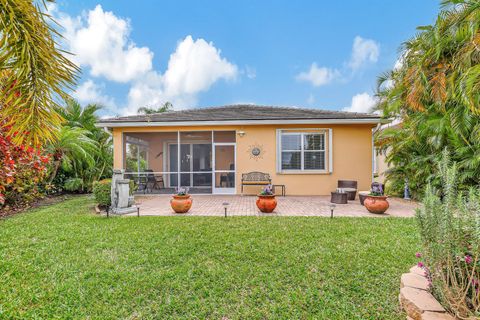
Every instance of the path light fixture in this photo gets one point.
(225, 207)
(406, 191)
(332, 207)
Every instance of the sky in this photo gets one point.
(313, 54)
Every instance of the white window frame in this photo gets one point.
(303, 132)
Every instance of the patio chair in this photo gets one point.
(349, 186)
(154, 181)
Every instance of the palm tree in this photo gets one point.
(167, 106)
(34, 71)
(85, 118)
(435, 94)
(77, 116)
(71, 150)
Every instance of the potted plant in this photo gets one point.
(376, 201)
(181, 201)
(266, 201)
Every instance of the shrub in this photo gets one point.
(101, 191)
(73, 185)
(449, 224)
(22, 171)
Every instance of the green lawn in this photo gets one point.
(63, 261)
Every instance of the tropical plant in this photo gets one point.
(34, 71)
(22, 171)
(449, 223)
(434, 95)
(167, 106)
(73, 151)
(98, 164)
(73, 185)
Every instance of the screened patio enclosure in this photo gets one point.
(159, 162)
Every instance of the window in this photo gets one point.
(302, 151)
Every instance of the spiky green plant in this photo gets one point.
(449, 223)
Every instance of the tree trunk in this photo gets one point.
(56, 165)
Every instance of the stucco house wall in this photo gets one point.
(352, 155)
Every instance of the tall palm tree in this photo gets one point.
(34, 71)
(71, 150)
(167, 106)
(435, 94)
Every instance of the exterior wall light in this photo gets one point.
(241, 133)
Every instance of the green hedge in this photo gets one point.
(101, 191)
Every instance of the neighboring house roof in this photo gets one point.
(240, 114)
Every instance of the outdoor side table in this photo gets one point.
(339, 197)
(282, 186)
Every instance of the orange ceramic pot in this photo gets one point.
(376, 204)
(181, 204)
(266, 203)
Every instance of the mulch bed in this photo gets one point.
(8, 211)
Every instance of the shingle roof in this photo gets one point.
(243, 112)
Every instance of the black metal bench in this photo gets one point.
(256, 178)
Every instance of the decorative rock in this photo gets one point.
(436, 316)
(417, 301)
(418, 270)
(414, 280)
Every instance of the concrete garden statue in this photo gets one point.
(121, 200)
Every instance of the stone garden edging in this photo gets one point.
(416, 299)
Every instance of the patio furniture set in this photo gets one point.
(374, 200)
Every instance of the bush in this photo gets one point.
(101, 191)
(73, 185)
(22, 172)
(450, 229)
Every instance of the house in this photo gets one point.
(307, 150)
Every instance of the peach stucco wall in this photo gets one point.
(352, 155)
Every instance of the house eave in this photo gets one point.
(118, 124)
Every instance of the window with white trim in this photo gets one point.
(302, 151)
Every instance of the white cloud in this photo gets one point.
(311, 99)
(364, 51)
(193, 68)
(101, 41)
(362, 102)
(90, 92)
(250, 72)
(318, 76)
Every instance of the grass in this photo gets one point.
(62, 261)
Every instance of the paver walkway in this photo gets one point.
(212, 205)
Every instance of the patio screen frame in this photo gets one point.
(167, 173)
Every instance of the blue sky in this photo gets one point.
(207, 53)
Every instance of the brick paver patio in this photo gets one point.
(212, 205)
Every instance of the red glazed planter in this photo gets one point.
(181, 204)
(266, 203)
(376, 204)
